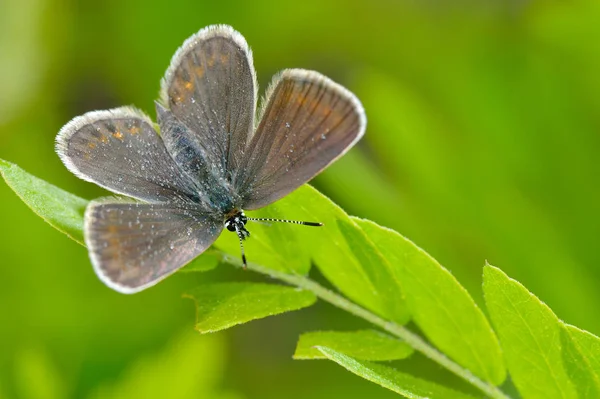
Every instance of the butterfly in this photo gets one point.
(215, 156)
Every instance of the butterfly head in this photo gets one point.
(236, 222)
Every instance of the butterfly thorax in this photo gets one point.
(236, 221)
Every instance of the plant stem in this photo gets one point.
(416, 342)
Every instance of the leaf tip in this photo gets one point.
(491, 271)
(4, 165)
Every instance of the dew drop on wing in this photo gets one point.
(287, 124)
(322, 136)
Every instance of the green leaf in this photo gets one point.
(404, 384)
(375, 266)
(530, 337)
(589, 344)
(341, 251)
(203, 263)
(62, 210)
(223, 305)
(440, 306)
(578, 367)
(362, 344)
(348, 259)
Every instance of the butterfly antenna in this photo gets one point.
(317, 224)
(241, 237)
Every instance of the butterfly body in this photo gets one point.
(213, 156)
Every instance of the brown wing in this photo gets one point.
(119, 150)
(210, 87)
(308, 122)
(133, 245)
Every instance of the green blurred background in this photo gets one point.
(482, 144)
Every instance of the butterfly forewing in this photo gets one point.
(210, 87)
(308, 121)
(134, 245)
(120, 150)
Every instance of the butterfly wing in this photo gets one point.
(210, 87)
(135, 245)
(119, 150)
(308, 121)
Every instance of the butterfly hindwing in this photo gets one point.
(135, 245)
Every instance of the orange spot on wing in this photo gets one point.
(104, 139)
(92, 145)
(175, 95)
(199, 71)
(118, 135)
(112, 237)
(134, 130)
(188, 85)
(115, 250)
(224, 58)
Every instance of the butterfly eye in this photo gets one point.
(230, 225)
